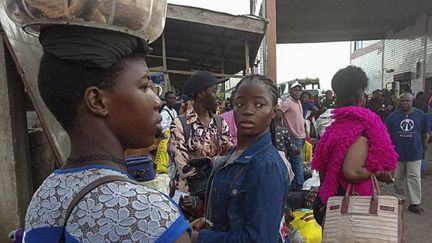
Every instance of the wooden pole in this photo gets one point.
(165, 65)
(247, 58)
(164, 57)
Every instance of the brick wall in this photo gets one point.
(402, 56)
(402, 51)
(429, 50)
(429, 54)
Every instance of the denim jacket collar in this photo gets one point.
(264, 141)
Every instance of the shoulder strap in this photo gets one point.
(218, 121)
(87, 189)
(186, 127)
(169, 112)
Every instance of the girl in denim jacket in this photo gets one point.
(247, 189)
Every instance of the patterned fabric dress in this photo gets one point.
(118, 211)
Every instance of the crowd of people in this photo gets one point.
(233, 168)
(373, 122)
(188, 167)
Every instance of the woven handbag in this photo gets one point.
(364, 219)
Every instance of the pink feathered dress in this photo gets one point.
(350, 123)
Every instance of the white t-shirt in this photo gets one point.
(168, 116)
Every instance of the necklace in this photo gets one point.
(95, 158)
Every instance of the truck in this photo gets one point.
(310, 85)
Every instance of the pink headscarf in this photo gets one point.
(350, 123)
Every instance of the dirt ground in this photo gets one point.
(418, 228)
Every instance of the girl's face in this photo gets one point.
(253, 109)
(133, 107)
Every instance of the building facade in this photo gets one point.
(403, 61)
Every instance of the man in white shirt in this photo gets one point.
(168, 113)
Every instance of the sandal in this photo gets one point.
(415, 209)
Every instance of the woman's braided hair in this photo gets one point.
(271, 87)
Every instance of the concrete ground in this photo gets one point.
(418, 228)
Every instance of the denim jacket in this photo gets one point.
(245, 199)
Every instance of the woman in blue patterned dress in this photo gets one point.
(96, 83)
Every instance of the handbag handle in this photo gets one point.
(373, 205)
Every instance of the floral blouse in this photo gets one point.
(203, 142)
(117, 211)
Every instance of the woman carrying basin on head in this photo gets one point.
(96, 84)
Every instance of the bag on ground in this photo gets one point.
(305, 223)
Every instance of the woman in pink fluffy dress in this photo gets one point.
(354, 146)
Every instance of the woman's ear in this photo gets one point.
(95, 101)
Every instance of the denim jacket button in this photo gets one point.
(234, 192)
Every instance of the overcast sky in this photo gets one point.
(313, 60)
(228, 6)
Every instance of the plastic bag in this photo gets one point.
(305, 223)
(162, 158)
(307, 151)
(314, 181)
